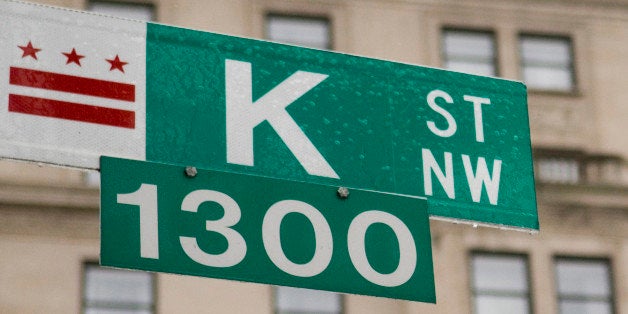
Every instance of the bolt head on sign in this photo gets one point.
(343, 192)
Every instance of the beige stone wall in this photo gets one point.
(49, 219)
(43, 250)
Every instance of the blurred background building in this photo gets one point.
(572, 55)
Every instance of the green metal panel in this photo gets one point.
(368, 118)
(123, 224)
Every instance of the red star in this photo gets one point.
(73, 57)
(29, 50)
(117, 64)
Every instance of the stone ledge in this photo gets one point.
(583, 195)
(49, 196)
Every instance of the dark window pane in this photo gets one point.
(584, 286)
(500, 283)
(136, 11)
(117, 291)
(584, 307)
(547, 63)
(469, 52)
(297, 300)
(301, 31)
(500, 305)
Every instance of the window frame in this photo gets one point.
(471, 30)
(577, 156)
(529, 296)
(91, 263)
(593, 169)
(275, 303)
(597, 169)
(570, 39)
(149, 4)
(320, 17)
(611, 284)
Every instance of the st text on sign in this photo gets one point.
(257, 107)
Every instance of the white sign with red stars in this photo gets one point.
(71, 89)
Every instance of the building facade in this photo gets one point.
(570, 54)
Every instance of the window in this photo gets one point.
(129, 10)
(562, 166)
(469, 51)
(566, 166)
(117, 291)
(302, 31)
(558, 170)
(547, 63)
(604, 169)
(584, 286)
(500, 283)
(297, 300)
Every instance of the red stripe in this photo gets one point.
(71, 111)
(72, 84)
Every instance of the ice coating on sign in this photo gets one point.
(243, 227)
(461, 140)
(73, 86)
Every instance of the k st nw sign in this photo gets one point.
(76, 86)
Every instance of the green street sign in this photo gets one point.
(256, 107)
(159, 217)
(165, 94)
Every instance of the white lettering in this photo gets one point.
(477, 114)
(243, 115)
(272, 238)
(357, 248)
(236, 246)
(146, 198)
(446, 179)
(451, 122)
(482, 178)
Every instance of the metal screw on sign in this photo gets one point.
(343, 193)
(190, 172)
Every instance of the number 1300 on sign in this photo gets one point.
(248, 228)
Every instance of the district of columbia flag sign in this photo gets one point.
(75, 86)
(72, 86)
